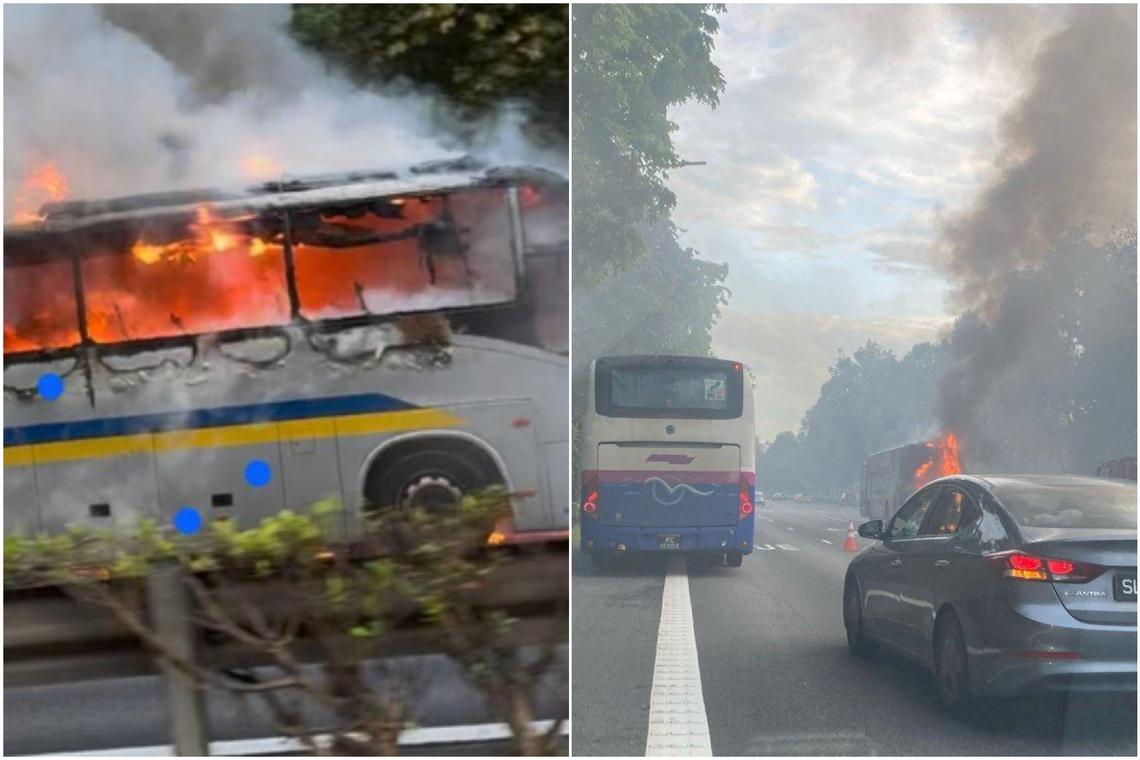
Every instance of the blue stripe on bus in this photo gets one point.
(277, 411)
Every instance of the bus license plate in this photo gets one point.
(1124, 588)
(669, 543)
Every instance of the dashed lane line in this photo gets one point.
(678, 724)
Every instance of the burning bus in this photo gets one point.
(382, 338)
(890, 477)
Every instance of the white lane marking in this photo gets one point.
(787, 548)
(789, 527)
(678, 724)
(825, 540)
(769, 547)
(280, 744)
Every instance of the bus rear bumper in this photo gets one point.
(718, 538)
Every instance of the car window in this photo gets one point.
(989, 533)
(910, 516)
(955, 510)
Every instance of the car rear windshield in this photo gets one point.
(1093, 505)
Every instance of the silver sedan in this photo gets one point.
(1003, 585)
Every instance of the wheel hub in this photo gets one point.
(432, 492)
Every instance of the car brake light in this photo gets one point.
(1030, 568)
(1059, 566)
(591, 504)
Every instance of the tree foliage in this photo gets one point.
(478, 56)
(872, 401)
(631, 62)
(282, 590)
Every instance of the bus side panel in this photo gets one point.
(195, 477)
(78, 491)
(558, 476)
(310, 471)
(21, 507)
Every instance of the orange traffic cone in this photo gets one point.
(849, 545)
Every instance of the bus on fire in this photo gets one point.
(383, 338)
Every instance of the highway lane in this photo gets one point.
(131, 712)
(775, 672)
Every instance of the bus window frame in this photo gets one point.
(75, 254)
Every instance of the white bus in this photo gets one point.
(668, 457)
(382, 338)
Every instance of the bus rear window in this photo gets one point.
(395, 255)
(39, 306)
(206, 275)
(713, 392)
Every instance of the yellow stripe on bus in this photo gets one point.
(231, 435)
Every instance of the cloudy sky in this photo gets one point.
(844, 137)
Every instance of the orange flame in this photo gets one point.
(945, 459)
(44, 183)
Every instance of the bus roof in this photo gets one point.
(284, 193)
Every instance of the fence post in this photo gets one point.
(169, 604)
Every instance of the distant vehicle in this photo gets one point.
(239, 352)
(889, 477)
(668, 451)
(778, 496)
(1003, 585)
(802, 499)
(759, 498)
(1123, 468)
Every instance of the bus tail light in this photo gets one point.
(745, 500)
(590, 488)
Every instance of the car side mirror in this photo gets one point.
(872, 529)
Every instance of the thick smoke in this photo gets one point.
(127, 99)
(1068, 163)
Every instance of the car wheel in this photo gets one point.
(951, 671)
(858, 640)
(733, 559)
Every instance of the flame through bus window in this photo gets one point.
(209, 270)
(405, 254)
(208, 275)
(39, 306)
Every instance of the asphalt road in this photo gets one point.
(775, 672)
(131, 712)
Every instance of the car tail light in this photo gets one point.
(590, 506)
(745, 500)
(1027, 567)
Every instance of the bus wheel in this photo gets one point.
(733, 559)
(433, 480)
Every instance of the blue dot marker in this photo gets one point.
(50, 386)
(258, 473)
(188, 521)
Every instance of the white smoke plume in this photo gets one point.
(138, 98)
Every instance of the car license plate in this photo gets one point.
(1124, 588)
(669, 543)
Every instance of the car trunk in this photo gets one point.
(1099, 600)
(669, 485)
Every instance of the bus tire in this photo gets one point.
(434, 478)
(733, 559)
